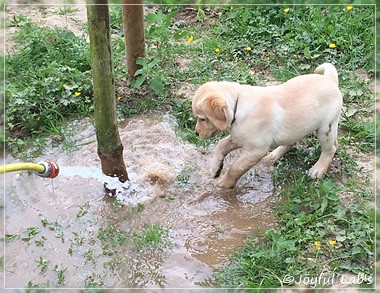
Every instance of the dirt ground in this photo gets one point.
(43, 15)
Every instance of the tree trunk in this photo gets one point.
(133, 24)
(110, 149)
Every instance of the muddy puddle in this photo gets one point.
(67, 233)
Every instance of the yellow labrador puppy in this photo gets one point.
(261, 118)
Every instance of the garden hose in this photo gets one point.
(45, 169)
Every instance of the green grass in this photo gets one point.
(48, 81)
(66, 10)
(152, 235)
(318, 232)
(113, 236)
(282, 45)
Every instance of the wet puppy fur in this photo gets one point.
(259, 119)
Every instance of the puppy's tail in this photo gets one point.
(328, 70)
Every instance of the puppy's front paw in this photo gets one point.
(269, 158)
(317, 171)
(216, 169)
(225, 183)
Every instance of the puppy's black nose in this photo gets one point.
(197, 133)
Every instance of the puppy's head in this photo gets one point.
(210, 110)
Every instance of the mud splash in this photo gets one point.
(70, 215)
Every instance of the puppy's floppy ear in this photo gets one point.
(215, 109)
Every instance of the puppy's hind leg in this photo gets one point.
(276, 154)
(327, 137)
(224, 146)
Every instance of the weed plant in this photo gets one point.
(153, 235)
(48, 81)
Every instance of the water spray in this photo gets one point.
(46, 169)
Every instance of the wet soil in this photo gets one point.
(169, 177)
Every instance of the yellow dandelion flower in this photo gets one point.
(286, 10)
(249, 49)
(332, 46)
(77, 94)
(349, 8)
(332, 242)
(119, 98)
(217, 50)
(190, 39)
(317, 245)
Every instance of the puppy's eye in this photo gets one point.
(202, 119)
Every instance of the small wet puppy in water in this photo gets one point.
(261, 118)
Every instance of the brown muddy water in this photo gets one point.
(68, 234)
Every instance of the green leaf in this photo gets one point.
(289, 260)
(139, 72)
(138, 82)
(201, 15)
(340, 238)
(152, 17)
(307, 53)
(328, 189)
(10, 237)
(296, 209)
(141, 61)
(323, 205)
(356, 250)
(172, 14)
(351, 111)
(157, 86)
(154, 63)
(273, 235)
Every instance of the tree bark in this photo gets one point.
(110, 148)
(133, 24)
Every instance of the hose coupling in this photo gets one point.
(51, 169)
